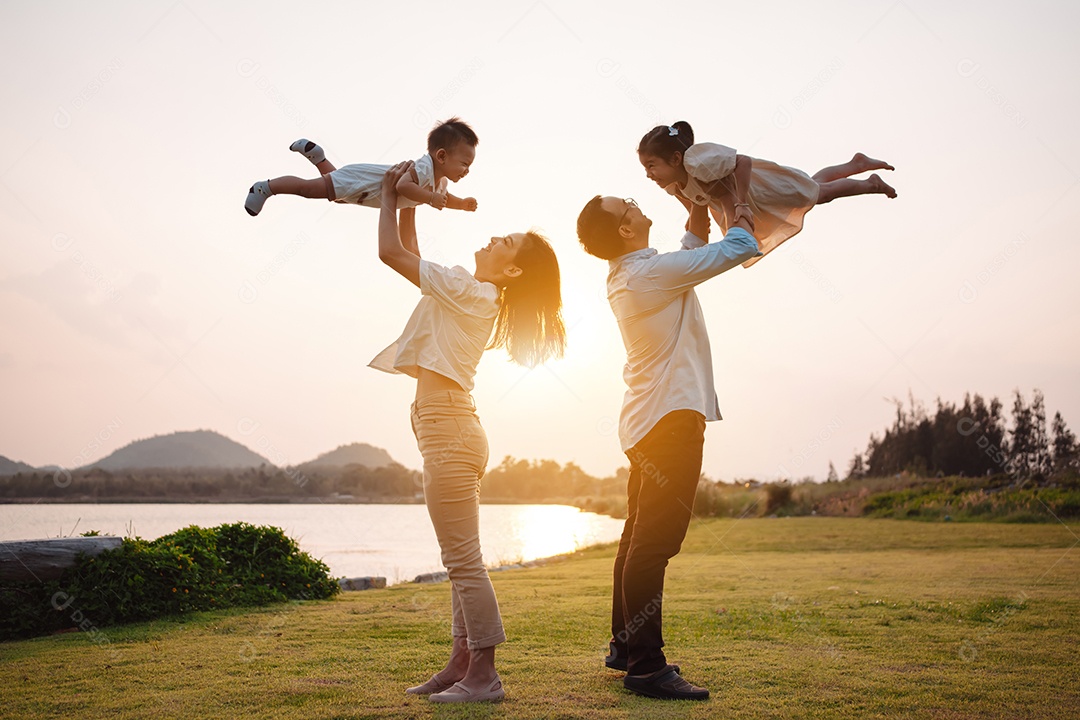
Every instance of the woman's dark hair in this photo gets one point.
(530, 323)
(598, 231)
(664, 141)
(449, 133)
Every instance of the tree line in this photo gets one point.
(972, 439)
(513, 480)
(265, 482)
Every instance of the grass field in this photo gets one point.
(780, 618)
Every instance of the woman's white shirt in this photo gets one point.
(449, 329)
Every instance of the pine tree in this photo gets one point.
(947, 445)
(857, 468)
(1065, 448)
(1021, 444)
(832, 476)
(995, 431)
(1041, 463)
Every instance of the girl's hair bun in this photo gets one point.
(685, 131)
(664, 141)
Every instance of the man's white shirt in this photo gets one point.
(668, 358)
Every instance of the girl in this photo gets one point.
(772, 197)
(515, 292)
(451, 151)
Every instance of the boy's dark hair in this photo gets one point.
(663, 144)
(449, 133)
(598, 231)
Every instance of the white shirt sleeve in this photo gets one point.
(708, 162)
(676, 272)
(458, 290)
(425, 172)
(691, 241)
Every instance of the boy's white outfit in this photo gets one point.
(361, 184)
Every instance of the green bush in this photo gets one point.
(611, 505)
(980, 499)
(191, 569)
(778, 497)
(717, 499)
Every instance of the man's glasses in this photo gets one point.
(630, 203)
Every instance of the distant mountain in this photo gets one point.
(353, 454)
(193, 449)
(10, 467)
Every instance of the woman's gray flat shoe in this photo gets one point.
(434, 685)
(459, 693)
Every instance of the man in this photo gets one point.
(669, 398)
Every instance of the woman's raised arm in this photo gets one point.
(407, 230)
(391, 250)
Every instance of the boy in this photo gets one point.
(451, 151)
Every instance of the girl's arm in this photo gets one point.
(743, 167)
(456, 203)
(698, 223)
(735, 188)
(736, 183)
(391, 250)
(689, 209)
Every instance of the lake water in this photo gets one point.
(394, 541)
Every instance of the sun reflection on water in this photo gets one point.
(545, 530)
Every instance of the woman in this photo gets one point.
(512, 300)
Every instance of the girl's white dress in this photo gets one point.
(778, 196)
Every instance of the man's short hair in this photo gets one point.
(449, 134)
(598, 231)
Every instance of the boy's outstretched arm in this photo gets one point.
(456, 203)
(391, 250)
(408, 186)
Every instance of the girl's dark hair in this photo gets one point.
(661, 142)
(530, 323)
(449, 133)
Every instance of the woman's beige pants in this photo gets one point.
(455, 451)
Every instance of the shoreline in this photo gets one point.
(435, 578)
(273, 500)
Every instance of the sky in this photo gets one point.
(137, 298)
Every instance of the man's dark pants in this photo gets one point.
(664, 470)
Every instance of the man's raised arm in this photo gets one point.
(677, 272)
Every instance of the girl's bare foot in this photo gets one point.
(880, 186)
(865, 163)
